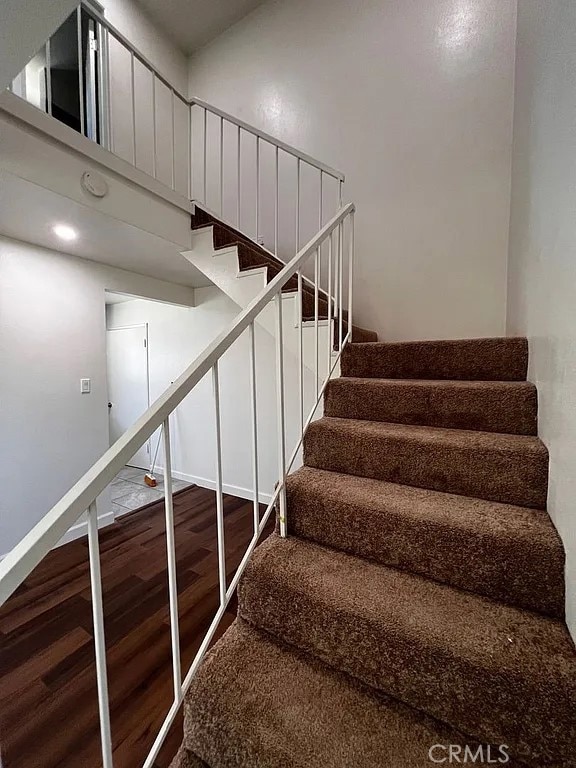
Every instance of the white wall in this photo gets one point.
(175, 337)
(132, 21)
(542, 272)
(52, 333)
(413, 101)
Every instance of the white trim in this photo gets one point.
(81, 529)
(78, 531)
(233, 490)
(253, 272)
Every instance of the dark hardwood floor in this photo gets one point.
(48, 701)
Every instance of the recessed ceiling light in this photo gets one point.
(64, 232)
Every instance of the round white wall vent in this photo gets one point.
(94, 184)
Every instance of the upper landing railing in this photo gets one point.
(273, 192)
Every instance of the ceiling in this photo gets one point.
(193, 23)
(28, 212)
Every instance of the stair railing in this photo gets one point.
(271, 191)
(335, 242)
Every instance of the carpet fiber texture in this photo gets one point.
(504, 359)
(419, 597)
(512, 469)
(438, 535)
(288, 710)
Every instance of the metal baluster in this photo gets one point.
(300, 351)
(321, 206)
(173, 144)
(154, 136)
(219, 496)
(80, 68)
(254, 427)
(133, 94)
(238, 182)
(350, 273)
(297, 205)
(257, 188)
(330, 330)
(49, 78)
(100, 76)
(280, 414)
(317, 270)
(189, 112)
(171, 558)
(99, 637)
(221, 166)
(340, 259)
(204, 162)
(316, 313)
(276, 211)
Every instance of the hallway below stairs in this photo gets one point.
(48, 699)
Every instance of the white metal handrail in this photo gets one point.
(194, 156)
(18, 564)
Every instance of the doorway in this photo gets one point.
(128, 383)
(66, 77)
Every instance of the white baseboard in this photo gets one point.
(233, 490)
(77, 531)
(81, 529)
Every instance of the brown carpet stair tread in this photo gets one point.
(437, 535)
(292, 711)
(512, 469)
(497, 359)
(492, 671)
(489, 406)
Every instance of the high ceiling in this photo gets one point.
(192, 23)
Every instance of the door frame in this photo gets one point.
(126, 328)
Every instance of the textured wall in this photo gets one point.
(413, 101)
(542, 273)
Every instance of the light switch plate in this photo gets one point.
(85, 386)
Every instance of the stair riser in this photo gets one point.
(493, 408)
(492, 475)
(384, 654)
(527, 574)
(469, 360)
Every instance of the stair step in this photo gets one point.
(251, 256)
(500, 359)
(489, 406)
(256, 702)
(512, 469)
(511, 554)
(502, 675)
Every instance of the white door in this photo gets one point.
(128, 394)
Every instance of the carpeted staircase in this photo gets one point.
(419, 597)
(252, 256)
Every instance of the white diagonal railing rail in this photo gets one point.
(246, 176)
(333, 245)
